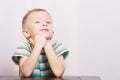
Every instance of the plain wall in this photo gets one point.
(89, 29)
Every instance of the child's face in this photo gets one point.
(39, 23)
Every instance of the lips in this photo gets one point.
(44, 29)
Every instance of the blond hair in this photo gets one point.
(28, 13)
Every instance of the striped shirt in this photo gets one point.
(42, 67)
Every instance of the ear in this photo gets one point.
(26, 33)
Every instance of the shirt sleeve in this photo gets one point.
(21, 51)
(60, 50)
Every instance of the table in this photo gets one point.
(51, 78)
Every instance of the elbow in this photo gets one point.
(26, 73)
(59, 73)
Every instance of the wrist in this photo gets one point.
(48, 45)
(39, 45)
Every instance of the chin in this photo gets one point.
(48, 37)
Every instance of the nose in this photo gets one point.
(44, 24)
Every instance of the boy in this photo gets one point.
(39, 55)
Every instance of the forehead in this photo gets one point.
(39, 15)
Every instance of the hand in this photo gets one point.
(39, 40)
(52, 42)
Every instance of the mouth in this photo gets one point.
(44, 30)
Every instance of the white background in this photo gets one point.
(90, 29)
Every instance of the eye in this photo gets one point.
(37, 22)
(48, 22)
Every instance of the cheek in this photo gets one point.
(51, 34)
(50, 29)
(35, 30)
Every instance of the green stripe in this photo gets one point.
(44, 67)
(42, 59)
(65, 54)
(47, 74)
(56, 45)
(37, 65)
(22, 52)
(15, 59)
(35, 74)
(59, 49)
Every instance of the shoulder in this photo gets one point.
(24, 44)
(60, 50)
(23, 50)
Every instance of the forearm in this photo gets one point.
(29, 64)
(57, 65)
